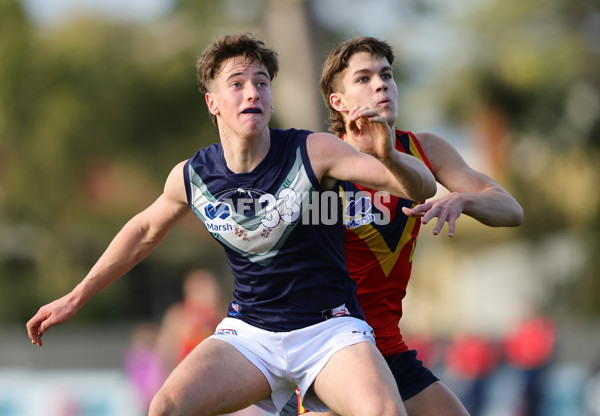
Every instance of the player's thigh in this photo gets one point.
(357, 381)
(215, 375)
(436, 399)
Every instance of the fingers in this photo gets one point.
(358, 112)
(428, 211)
(451, 225)
(410, 212)
(35, 335)
(438, 226)
(417, 210)
(366, 112)
(35, 329)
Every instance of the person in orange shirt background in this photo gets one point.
(188, 322)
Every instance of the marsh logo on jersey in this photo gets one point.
(244, 209)
(216, 217)
(359, 212)
(359, 206)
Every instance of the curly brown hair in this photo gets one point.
(231, 46)
(337, 62)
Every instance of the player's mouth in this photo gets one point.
(384, 101)
(251, 111)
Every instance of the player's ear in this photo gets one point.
(211, 103)
(337, 102)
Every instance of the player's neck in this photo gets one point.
(245, 154)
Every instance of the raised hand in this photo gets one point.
(370, 132)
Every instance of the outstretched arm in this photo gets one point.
(376, 164)
(133, 243)
(471, 192)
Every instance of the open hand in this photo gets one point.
(447, 209)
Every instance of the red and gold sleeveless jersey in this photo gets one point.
(380, 241)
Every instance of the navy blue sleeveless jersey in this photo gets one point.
(281, 231)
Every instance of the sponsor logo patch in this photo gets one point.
(359, 206)
(335, 312)
(359, 212)
(226, 331)
(216, 216)
(220, 211)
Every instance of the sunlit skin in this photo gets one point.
(369, 81)
(241, 99)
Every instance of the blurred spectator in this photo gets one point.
(186, 323)
(156, 350)
(470, 360)
(529, 348)
(143, 365)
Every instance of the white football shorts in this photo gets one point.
(295, 358)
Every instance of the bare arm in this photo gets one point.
(376, 164)
(471, 192)
(133, 243)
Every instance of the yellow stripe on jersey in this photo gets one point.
(386, 257)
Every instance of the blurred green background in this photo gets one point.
(99, 101)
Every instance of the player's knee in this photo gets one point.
(162, 405)
(380, 408)
(167, 402)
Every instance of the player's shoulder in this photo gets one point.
(324, 140)
(427, 136)
(432, 143)
(177, 170)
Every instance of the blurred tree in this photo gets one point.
(533, 90)
(93, 115)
